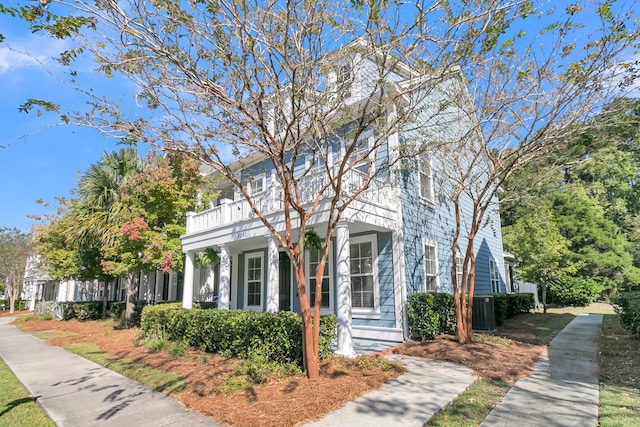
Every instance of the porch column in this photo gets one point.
(187, 293)
(234, 281)
(272, 275)
(225, 279)
(157, 293)
(343, 277)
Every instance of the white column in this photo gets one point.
(272, 275)
(225, 279)
(157, 293)
(234, 281)
(343, 277)
(187, 294)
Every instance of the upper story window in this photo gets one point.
(430, 267)
(459, 265)
(344, 79)
(494, 275)
(426, 178)
(256, 185)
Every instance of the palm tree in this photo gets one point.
(101, 190)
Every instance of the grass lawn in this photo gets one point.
(155, 379)
(17, 406)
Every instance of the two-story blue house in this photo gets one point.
(393, 240)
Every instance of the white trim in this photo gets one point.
(436, 275)
(428, 200)
(328, 272)
(494, 267)
(378, 333)
(247, 256)
(358, 311)
(261, 177)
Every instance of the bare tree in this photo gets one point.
(231, 82)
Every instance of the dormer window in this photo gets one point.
(344, 79)
(278, 121)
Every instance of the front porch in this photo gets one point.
(363, 283)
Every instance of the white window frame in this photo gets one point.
(425, 178)
(248, 256)
(494, 275)
(345, 78)
(432, 277)
(327, 274)
(359, 312)
(253, 181)
(459, 265)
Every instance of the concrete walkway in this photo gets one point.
(412, 399)
(76, 392)
(563, 390)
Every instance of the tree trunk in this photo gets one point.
(132, 295)
(309, 357)
(544, 296)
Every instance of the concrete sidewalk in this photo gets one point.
(563, 390)
(76, 392)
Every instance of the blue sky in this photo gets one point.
(40, 160)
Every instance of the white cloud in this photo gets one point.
(33, 51)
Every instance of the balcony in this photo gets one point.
(377, 198)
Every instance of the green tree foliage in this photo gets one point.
(15, 247)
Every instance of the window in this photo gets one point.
(430, 267)
(256, 185)
(344, 79)
(313, 259)
(494, 275)
(459, 265)
(253, 280)
(363, 274)
(426, 179)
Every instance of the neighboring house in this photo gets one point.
(398, 235)
(38, 286)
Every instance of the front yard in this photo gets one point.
(245, 394)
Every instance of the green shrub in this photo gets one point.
(87, 310)
(575, 291)
(627, 305)
(276, 336)
(431, 314)
(509, 305)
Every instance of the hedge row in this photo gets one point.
(92, 310)
(627, 305)
(276, 337)
(509, 305)
(432, 314)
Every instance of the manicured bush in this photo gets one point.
(509, 305)
(627, 305)
(275, 337)
(575, 291)
(431, 314)
(87, 310)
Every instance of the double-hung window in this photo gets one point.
(459, 267)
(430, 267)
(364, 280)
(344, 79)
(426, 178)
(494, 275)
(313, 261)
(254, 278)
(256, 185)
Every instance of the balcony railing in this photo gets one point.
(271, 201)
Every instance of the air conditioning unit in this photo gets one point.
(484, 315)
